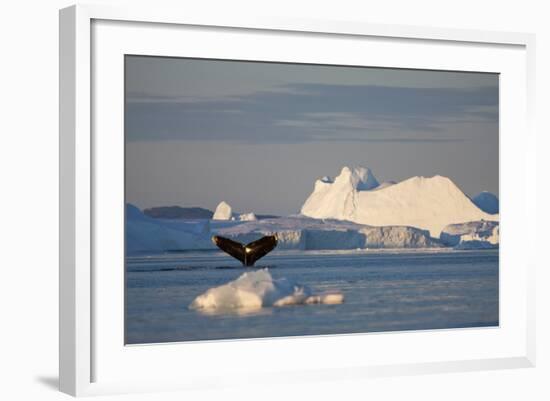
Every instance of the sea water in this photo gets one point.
(384, 291)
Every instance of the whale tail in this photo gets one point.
(248, 254)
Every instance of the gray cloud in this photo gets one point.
(309, 112)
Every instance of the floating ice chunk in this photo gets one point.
(248, 217)
(223, 212)
(329, 299)
(257, 289)
(332, 298)
(299, 296)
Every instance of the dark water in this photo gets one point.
(383, 292)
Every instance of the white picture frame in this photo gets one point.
(86, 337)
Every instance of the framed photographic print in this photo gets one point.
(235, 192)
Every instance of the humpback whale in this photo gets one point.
(248, 254)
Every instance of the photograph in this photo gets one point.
(269, 199)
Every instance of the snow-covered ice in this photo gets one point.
(471, 235)
(257, 289)
(247, 217)
(426, 203)
(398, 237)
(146, 234)
(223, 211)
(299, 232)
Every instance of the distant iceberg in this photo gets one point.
(224, 211)
(258, 289)
(147, 234)
(426, 203)
(299, 232)
(471, 235)
(487, 202)
(247, 217)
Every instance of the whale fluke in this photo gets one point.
(248, 254)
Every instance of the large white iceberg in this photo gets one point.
(426, 203)
(258, 289)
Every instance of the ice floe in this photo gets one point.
(258, 289)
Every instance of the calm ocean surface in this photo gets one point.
(384, 291)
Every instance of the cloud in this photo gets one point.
(314, 112)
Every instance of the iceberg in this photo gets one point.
(351, 211)
(258, 289)
(398, 237)
(425, 203)
(223, 212)
(487, 202)
(147, 234)
(471, 235)
(299, 232)
(247, 217)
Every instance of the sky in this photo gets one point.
(257, 135)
